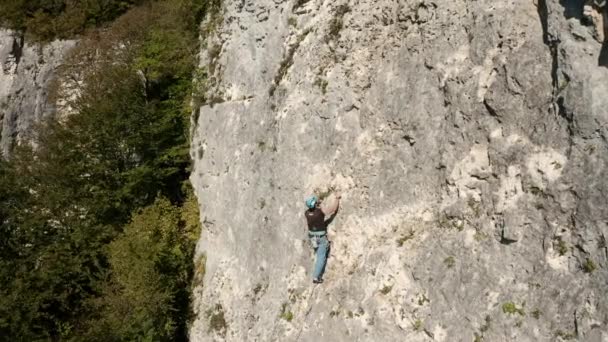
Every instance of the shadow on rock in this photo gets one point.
(573, 8)
(603, 59)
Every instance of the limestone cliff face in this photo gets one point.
(469, 141)
(26, 71)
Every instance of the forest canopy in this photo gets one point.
(47, 19)
(98, 222)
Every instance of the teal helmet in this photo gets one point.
(311, 201)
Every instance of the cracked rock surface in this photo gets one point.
(469, 141)
(26, 71)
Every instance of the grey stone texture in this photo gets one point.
(26, 71)
(469, 142)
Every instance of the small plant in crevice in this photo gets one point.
(556, 165)
(563, 84)
(417, 325)
(511, 309)
(565, 335)
(536, 191)
(536, 313)
(447, 222)
(337, 23)
(212, 79)
(257, 289)
(404, 238)
(322, 84)
(423, 299)
(200, 86)
(217, 321)
(590, 149)
(293, 295)
(261, 145)
(292, 22)
(213, 53)
(287, 62)
(480, 236)
(486, 326)
(200, 269)
(475, 206)
(286, 314)
(214, 17)
(560, 246)
(589, 266)
(482, 329)
(299, 3)
(449, 262)
(386, 289)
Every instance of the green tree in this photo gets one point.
(151, 265)
(68, 252)
(48, 19)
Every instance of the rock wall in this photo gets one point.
(25, 75)
(469, 141)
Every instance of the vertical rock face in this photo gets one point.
(469, 141)
(25, 73)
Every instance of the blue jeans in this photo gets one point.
(321, 251)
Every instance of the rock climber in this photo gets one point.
(318, 217)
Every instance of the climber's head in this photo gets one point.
(311, 202)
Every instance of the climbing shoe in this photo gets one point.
(317, 281)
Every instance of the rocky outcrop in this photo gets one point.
(469, 141)
(594, 12)
(25, 76)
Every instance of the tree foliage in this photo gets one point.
(47, 19)
(147, 295)
(97, 220)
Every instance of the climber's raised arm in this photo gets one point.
(329, 209)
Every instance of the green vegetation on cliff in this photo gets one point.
(51, 19)
(47, 19)
(98, 222)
